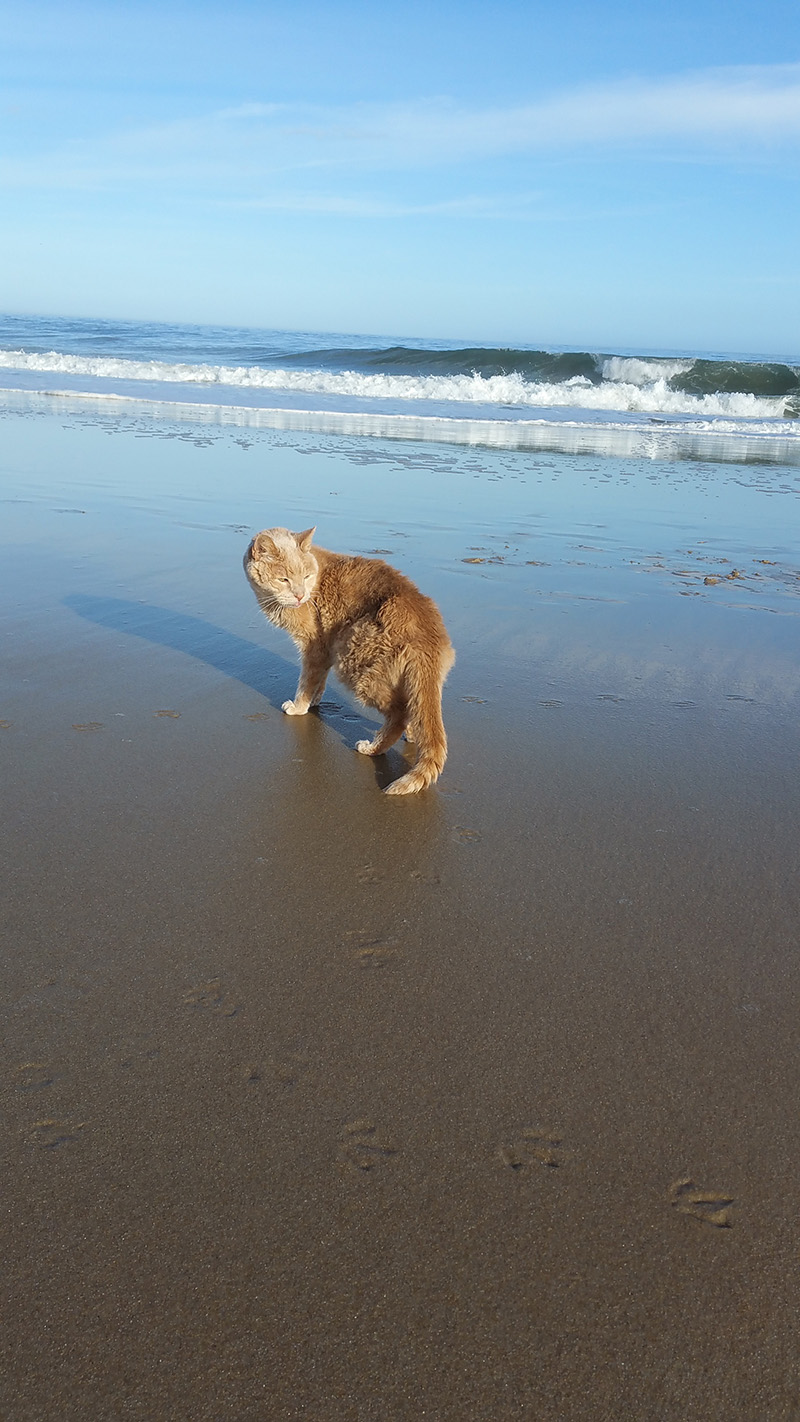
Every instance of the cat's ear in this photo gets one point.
(263, 546)
(303, 540)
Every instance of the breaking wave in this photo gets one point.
(507, 380)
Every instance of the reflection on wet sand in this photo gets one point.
(537, 432)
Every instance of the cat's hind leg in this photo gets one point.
(390, 731)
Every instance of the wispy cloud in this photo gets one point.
(697, 114)
(758, 104)
(751, 104)
(356, 205)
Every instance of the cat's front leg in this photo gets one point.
(301, 703)
(319, 690)
(313, 675)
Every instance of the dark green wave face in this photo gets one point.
(735, 377)
(488, 361)
(478, 360)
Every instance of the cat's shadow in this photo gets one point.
(263, 671)
(256, 667)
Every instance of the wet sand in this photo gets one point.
(480, 1104)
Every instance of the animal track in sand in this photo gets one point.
(88, 726)
(287, 1070)
(210, 997)
(534, 1147)
(420, 877)
(368, 874)
(712, 1206)
(361, 1148)
(476, 700)
(135, 1058)
(139, 1049)
(374, 955)
(367, 951)
(257, 716)
(465, 835)
(50, 1134)
(32, 1076)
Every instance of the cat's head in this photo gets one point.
(281, 565)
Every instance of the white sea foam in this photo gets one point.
(633, 370)
(629, 385)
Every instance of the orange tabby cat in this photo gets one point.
(383, 638)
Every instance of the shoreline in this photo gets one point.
(647, 437)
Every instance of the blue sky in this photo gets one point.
(587, 173)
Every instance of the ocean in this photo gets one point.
(664, 405)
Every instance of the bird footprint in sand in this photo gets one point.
(709, 1205)
(535, 1147)
(360, 1146)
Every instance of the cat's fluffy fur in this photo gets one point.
(384, 639)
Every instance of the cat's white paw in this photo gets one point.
(291, 710)
(365, 747)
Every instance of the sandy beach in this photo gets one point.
(324, 1105)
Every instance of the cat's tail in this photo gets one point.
(422, 683)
